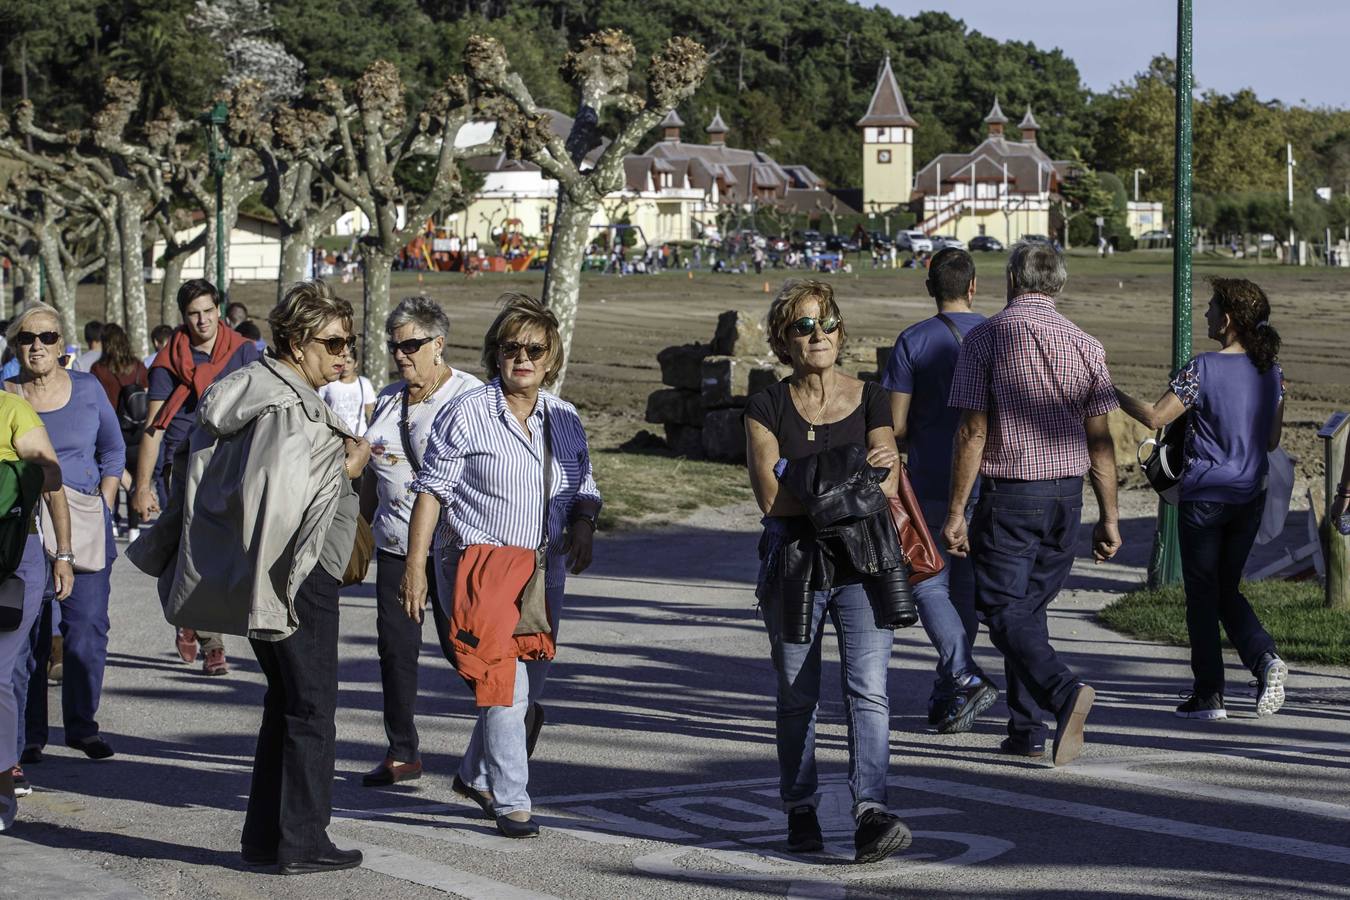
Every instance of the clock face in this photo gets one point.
(883, 156)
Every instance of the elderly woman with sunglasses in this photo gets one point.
(493, 456)
(399, 430)
(88, 439)
(268, 526)
(816, 409)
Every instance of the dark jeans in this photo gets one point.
(399, 641)
(1216, 539)
(84, 632)
(1021, 541)
(291, 798)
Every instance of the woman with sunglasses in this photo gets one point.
(399, 430)
(268, 526)
(493, 456)
(88, 441)
(815, 409)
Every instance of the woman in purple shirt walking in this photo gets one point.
(1235, 397)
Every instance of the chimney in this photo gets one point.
(996, 120)
(671, 124)
(717, 130)
(1028, 127)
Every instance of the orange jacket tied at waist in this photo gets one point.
(486, 610)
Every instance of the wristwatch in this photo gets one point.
(66, 557)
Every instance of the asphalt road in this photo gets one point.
(655, 777)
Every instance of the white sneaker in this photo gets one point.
(1270, 685)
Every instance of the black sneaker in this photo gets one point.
(971, 699)
(879, 835)
(804, 830)
(1202, 706)
(1271, 673)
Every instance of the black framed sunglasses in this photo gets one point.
(337, 346)
(509, 350)
(25, 338)
(806, 325)
(408, 347)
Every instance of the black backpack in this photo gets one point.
(133, 407)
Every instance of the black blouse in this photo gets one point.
(773, 408)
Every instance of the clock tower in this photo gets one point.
(888, 146)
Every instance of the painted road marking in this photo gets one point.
(430, 874)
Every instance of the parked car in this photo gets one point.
(1155, 238)
(943, 241)
(986, 243)
(841, 244)
(808, 240)
(914, 242)
(1036, 238)
(880, 240)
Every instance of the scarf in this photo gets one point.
(193, 378)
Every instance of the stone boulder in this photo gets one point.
(724, 435)
(674, 406)
(740, 333)
(682, 366)
(730, 380)
(685, 440)
(1126, 433)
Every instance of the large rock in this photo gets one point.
(730, 380)
(685, 440)
(675, 406)
(739, 333)
(724, 435)
(1126, 433)
(682, 366)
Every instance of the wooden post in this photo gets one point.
(1335, 432)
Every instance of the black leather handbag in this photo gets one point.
(1163, 465)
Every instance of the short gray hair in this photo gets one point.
(1036, 267)
(34, 308)
(422, 312)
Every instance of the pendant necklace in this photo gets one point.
(820, 413)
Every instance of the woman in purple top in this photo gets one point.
(88, 441)
(1235, 398)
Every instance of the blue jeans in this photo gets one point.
(495, 759)
(946, 604)
(83, 622)
(33, 570)
(1021, 542)
(1216, 539)
(865, 653)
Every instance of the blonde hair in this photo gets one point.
(521, 312)
(32, 309)
(784, 311)
(303, 312)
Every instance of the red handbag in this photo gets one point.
(916, 540)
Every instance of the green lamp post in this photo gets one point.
(1165, 566)
(218, 154)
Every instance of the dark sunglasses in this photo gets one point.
(509, 349)
(24, 338)
(408, 347)
(336, 346)
(806, 325)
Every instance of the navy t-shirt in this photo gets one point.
(921, 365)
(163, 382)
(1232, 409)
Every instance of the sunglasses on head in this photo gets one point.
(510, 349)
(336, 346)
(408, 347)
(806, 325)
(24, 338)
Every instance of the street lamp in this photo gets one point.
(1137, 173)
(218, 154)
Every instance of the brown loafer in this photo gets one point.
(1069, 729)
(389, 772)
(482, 798)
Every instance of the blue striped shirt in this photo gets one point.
(489, 475)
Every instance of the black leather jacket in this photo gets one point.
(847, 533)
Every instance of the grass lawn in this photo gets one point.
(653, 488)
(1304, 630)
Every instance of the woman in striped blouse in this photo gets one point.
(483, 478)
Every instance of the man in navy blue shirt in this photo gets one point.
(919, 375)
(203, 346)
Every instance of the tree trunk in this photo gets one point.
(6, 290)
(113, 310)
(173, 279)
(378, 267)
(29, 269)
(295, 250)
(131, 230)
(562, 281)
(58, 292)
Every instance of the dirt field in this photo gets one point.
(1125, 301)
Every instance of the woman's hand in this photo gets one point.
(412, 591)
(883, 457)
(580, 538)
(64, 576)
(358, 454)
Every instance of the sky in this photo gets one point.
(1290, 51)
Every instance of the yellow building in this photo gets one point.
(1003, 188)
(888, 146)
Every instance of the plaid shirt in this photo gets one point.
(1038, 376)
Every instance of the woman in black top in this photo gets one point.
(816, 409)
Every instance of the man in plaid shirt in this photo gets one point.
(1035, 392)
